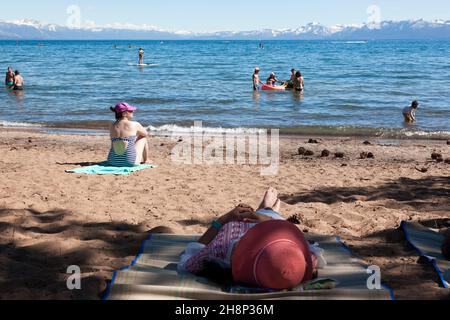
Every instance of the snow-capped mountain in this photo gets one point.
(410, 29)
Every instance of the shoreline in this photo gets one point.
(284, 133)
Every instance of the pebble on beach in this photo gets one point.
(314, 141)
(367, 155)
(447, 161)
(339, 155)
(309, 153)
(325, 153)
(367, 143)
(437, 156)
(301, 151)
(448, 142)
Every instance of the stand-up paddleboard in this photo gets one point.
(266, 87)
(145, 65)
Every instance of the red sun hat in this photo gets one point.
(273, 255)
(123, 107)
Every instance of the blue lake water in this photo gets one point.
(350, 87)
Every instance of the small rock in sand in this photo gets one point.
(295, 219)
(339, 155)
(366, 155)
(367, 143)
(448, 142)
(423, 170)
(436, 155)
(447, 161)
(309, 153)
(325, 154)
(313, 141)
(301, 151)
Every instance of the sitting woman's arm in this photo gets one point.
(141, 131)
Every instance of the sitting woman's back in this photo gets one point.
(128, 139)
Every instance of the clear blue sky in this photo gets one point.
(210, 15)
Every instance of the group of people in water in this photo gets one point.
(296, 81)
(14, 80)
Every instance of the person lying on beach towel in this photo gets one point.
(446, 245)
(128, 139)
(260, 248)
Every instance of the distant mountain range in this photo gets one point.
(386, 30)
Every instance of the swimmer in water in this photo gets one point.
(256, 80)
(299, 82)
(9, 79)
(141, 56)
(409, 113)
(272, 80)
(18, 81)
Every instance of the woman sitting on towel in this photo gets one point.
(446, 245)
(260, 248)
(128, 139)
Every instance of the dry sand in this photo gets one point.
(50, 220)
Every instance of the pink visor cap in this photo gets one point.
(123, 107)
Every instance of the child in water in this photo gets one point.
(409, 113)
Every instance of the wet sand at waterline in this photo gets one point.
(50, 219)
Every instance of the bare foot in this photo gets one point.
(277, 206)
(270, 198)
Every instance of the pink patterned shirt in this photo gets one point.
(220, 249)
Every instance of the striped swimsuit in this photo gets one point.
(128, 158)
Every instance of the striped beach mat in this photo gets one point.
(428, 243)
(153, 276)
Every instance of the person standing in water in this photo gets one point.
(409, 113)
(9, 79)
(290, 82)
(256, 80)
(18, 81)
(299, 82)
(141, 56)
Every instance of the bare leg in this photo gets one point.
(141, 151)
(270, 198)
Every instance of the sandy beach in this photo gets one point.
(50, 219)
